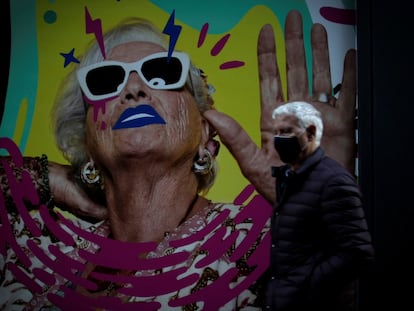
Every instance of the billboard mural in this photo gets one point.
(51, 255)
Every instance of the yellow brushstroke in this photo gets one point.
(21, 121)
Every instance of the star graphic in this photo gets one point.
(69, 57)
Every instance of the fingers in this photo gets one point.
(269, 78)
(271, 94)
(69, 196)
(347, 96)
(320, 62)
(233, 136)
(255, 163)
(296, 69)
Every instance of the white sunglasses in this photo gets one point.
(159, 71)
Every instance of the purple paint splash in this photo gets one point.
(97, 106)
(218, 47)
(95, 26)
(339, 16)
(203, 35)
(145, 284)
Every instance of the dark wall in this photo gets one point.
(386, 110)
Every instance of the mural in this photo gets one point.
(47, 40)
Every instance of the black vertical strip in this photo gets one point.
(386, 62)
(366, 174)
(5, 55)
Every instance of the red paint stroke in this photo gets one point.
(219, 45)
(339, 16)
(203, 35)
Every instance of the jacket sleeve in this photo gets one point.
(348, 246)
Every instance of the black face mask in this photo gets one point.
(288, 148)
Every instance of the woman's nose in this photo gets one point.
(135, 88)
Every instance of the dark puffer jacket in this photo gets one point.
(320, 239)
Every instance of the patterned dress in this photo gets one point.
(212, 261)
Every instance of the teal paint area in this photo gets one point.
(224, 15)
(23, 74)
(221, 15)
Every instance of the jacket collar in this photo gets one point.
(315, 157)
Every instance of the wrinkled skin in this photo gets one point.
(338, 115)
(255, 161)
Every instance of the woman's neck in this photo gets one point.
(142, 208)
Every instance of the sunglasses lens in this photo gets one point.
(161, 72)
(105, 80)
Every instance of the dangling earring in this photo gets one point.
(90, 176)
(203, 164)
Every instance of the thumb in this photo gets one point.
(234, 137)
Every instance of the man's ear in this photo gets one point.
(311, 131)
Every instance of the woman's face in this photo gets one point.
(141, 122)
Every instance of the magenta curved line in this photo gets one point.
(219, 45)
(22, 277)
(220, 285)
(339, 16)
(109, 250)
(203, 35)
(258, 221)
(203, 232)
(54, 226)
(244, 194)
(231, 64)
(216, 246)
(65, 267)
(160, 284)
(91, 303)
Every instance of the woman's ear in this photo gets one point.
(205, 131)
(208, 142)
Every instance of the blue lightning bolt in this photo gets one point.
(173, 31)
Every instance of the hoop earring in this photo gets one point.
(90, 176)
(203, 165)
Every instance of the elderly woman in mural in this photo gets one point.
(138, 128)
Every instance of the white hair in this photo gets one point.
(69, 112)
(306, 115)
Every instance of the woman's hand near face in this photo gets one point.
(69, 196)
(338, 114)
